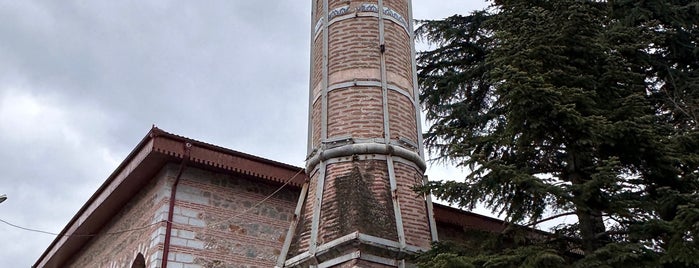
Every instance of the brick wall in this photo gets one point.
(356, 197)
(412, 206)
(120, 250)
(355, 111)
(402, 117)
(354, 45)
(354, 55)
(456, 234)
(215, 223)
(367, 105)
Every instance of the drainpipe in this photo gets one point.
(173, 192)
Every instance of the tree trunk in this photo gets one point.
(592, 229)
(587, 206)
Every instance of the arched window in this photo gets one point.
(139, 262)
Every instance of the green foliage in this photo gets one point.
(450, 255)
(581, 107)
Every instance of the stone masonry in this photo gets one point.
(217, 223)
(112, 249)
(354, 207)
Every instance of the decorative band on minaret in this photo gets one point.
(364, 142)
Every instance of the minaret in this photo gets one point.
(364, 145)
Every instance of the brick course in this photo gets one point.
(398, 61)
(215, 223)
(355, 111)
(120, 250)
(353, 45)
(412, 206)
(225, 226)
(356, 195)
(402, 117)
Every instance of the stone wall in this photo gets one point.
(218, 222)
(113, 248)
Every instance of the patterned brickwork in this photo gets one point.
(358, 199)
(356, 112)
(120, 250)
(368, 85)
(319, 10)
(317, 65)
(222, 225)
(402, 117)
(412, 206)
(354, 55)
(315, 121)
(354, 45)
(301, 239)
(398, 61)
(217, 222)
(399, 5)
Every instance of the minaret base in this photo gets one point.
(355, 250)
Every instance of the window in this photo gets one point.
(139, 262)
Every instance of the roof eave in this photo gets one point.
(155, 150)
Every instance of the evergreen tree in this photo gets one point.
(571, 107)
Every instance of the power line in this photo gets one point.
(161, 221)
(27, 229)
(256, 204)
(81, 235)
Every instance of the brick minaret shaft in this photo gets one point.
(364, 143)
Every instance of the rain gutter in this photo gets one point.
(170, 213)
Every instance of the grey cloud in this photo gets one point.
(232, 73)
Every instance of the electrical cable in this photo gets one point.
(81, 235)
(161, 221)
(256, 204)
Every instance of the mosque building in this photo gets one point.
(181, 203)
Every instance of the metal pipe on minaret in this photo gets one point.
(365, 150)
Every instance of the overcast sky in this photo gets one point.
(81, 83)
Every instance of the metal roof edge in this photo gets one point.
(225, 150)
(155, 138)
(97, 193)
